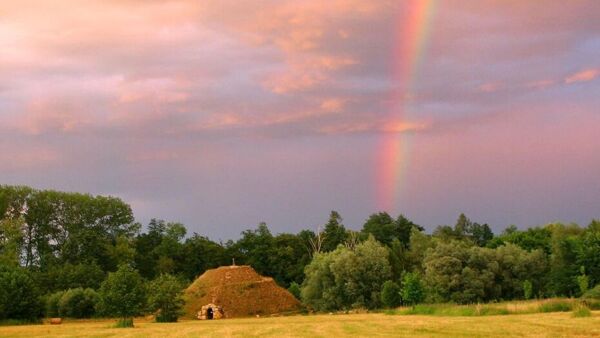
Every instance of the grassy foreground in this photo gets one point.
(352, 325)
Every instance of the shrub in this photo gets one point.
(390, 294)
(52, 304)
(78, 303)
(294, 289)
(122, 294)
(164, 298)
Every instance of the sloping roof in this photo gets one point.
(240, 291)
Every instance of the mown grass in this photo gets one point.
(558, 324)
(492, 309)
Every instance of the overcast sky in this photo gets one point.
(221, 114)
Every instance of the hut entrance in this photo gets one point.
(210, 311)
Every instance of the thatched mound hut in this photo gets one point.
(236, 291)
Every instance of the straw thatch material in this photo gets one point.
(237, 291)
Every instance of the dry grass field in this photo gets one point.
(351, 325)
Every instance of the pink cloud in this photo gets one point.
(583, 76)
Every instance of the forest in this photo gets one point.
(64, 254)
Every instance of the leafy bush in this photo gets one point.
(390, 294)
(164, 298)
(78, 303)
(19, 296)
(52, 304)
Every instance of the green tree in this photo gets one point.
(19, 296)
(11, 241)
(122, 294)
(588, 254)
(566, 247)
(256, 247)
(583, 281)
(71, 276)
(381, 226)
(165, 298)
(201, 254)
(480, 234)
(390, 294)
(344, 278)
(334, 232)
(413, 291)
(405, 228)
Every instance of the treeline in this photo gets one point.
(57, 246)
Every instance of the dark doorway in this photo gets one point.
(209, 313)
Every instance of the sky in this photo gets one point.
(222, 113)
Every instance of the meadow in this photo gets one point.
(555, 324)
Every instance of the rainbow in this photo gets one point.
(412, 34)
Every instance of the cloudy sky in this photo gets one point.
(223, 113)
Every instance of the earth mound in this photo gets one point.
(240, 292)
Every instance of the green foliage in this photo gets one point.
(583, 281)
(527, 289)
(52, 304)
(294, 289)
(381, 226)
(124, 323)
(77, 303)
(530, 239)
(564, 270)
(581, 310)
(160, 250)
(465, 229)
(334, 232)
(593, 293)
(386, 230)
(165, 298)
(412, 289)
(11, 241)
(390, 294)
(59, 227)
(19, 296)
(461, 273)
(555, 306)
(344, 278)
(588, 255)
(122, 294)
(457, 310)
(71, 276)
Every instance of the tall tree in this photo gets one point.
(334, 232)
